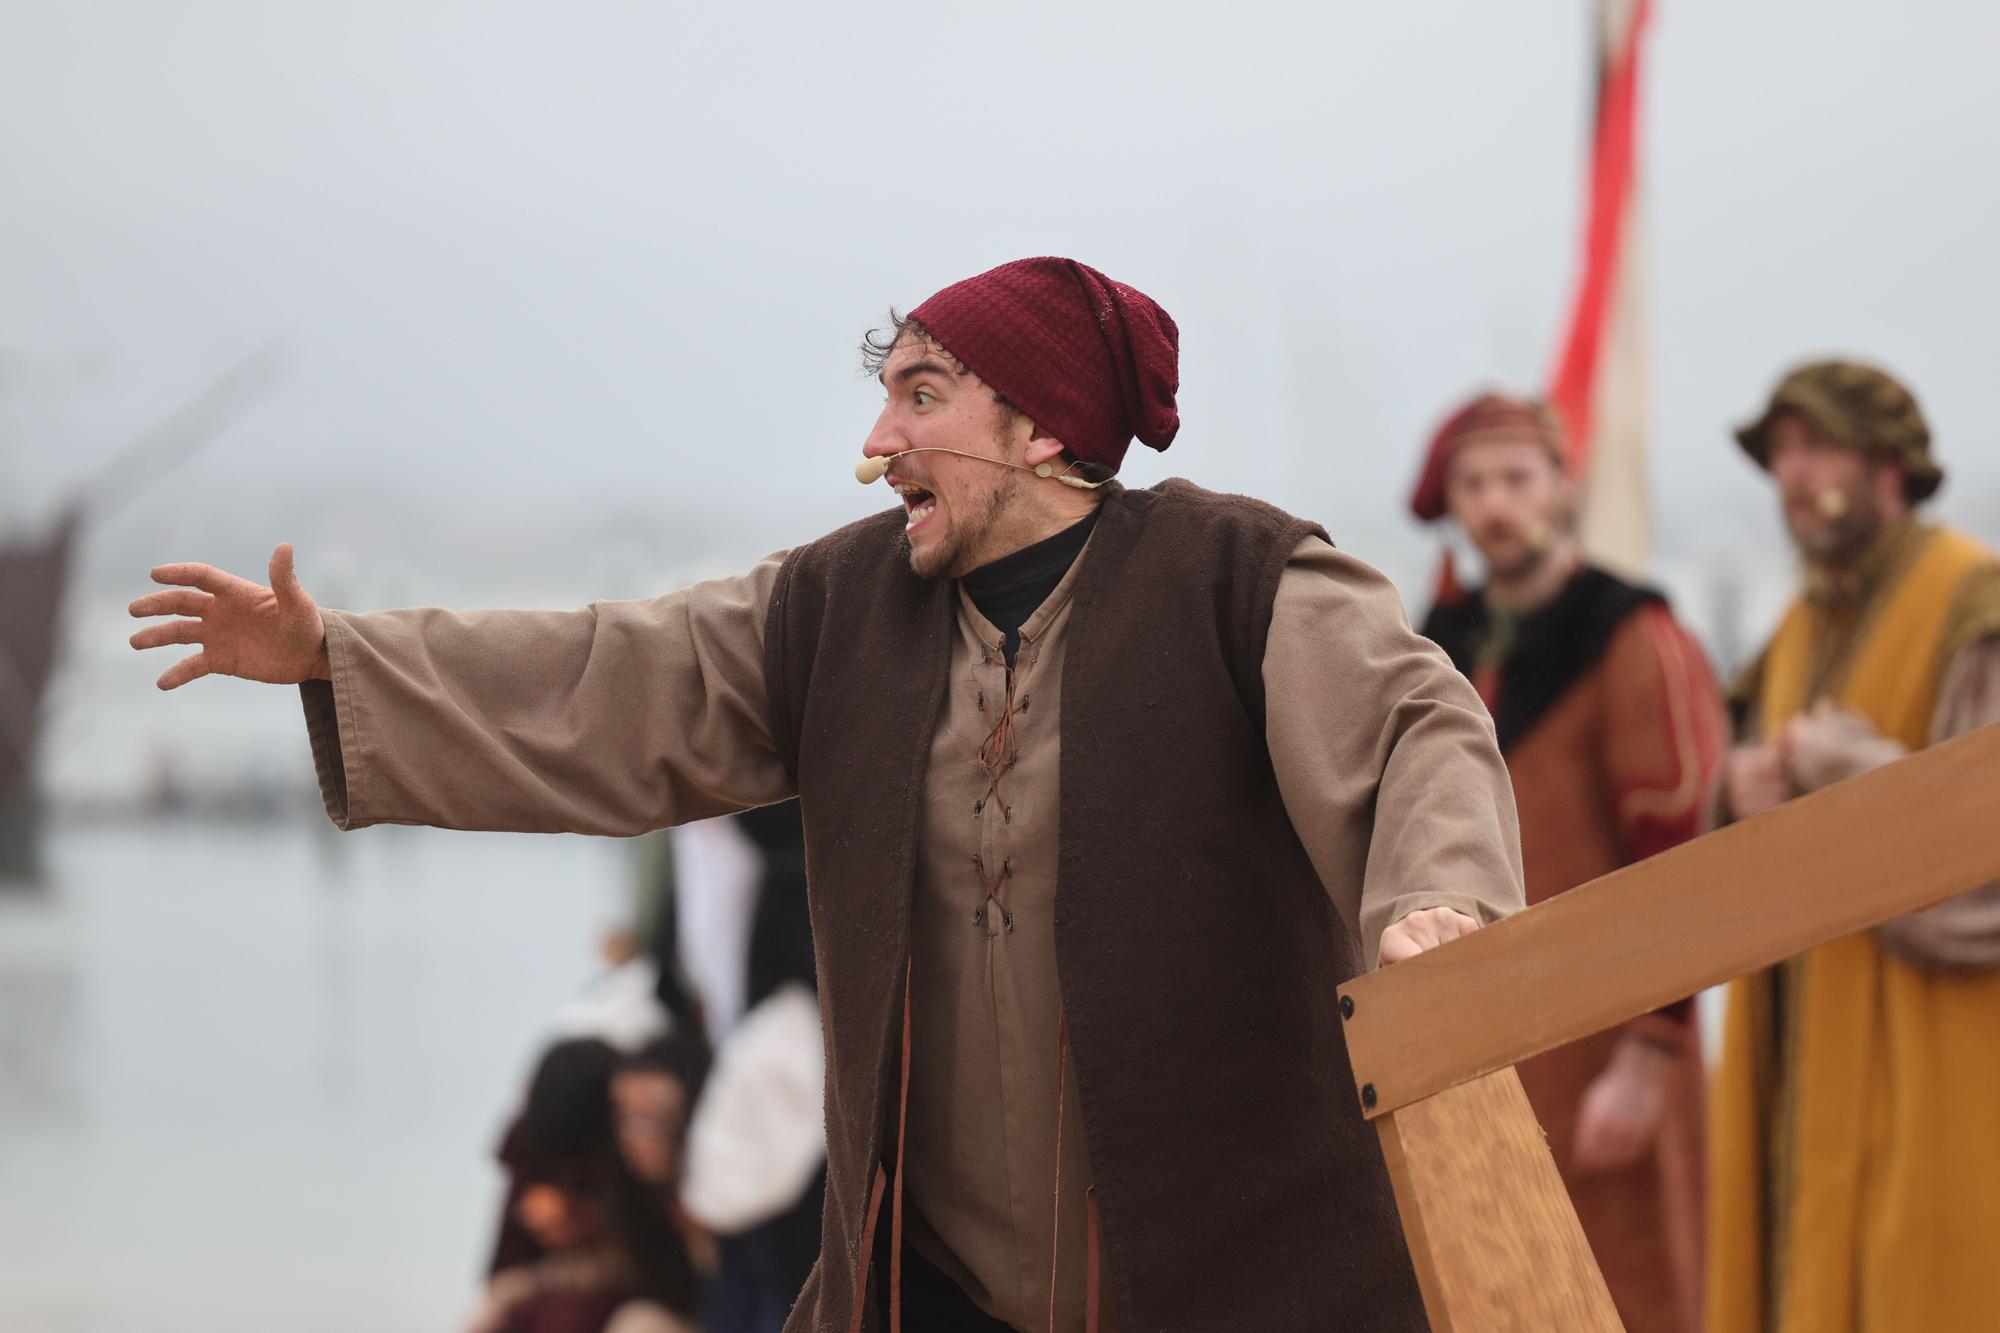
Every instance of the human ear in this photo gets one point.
(1043, 449)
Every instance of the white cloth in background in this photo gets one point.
(621, 1007)
(759, 1134)
(717, 874)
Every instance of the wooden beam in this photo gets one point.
(1891, 841)
(1492, 1232)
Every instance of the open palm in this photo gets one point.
(245, 629)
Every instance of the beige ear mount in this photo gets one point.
(871, 470)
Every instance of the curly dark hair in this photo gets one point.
(876, 344)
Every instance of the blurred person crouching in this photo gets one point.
(756, 1156)
(586, 1245)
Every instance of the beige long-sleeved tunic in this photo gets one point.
(627, 716)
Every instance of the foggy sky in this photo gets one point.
(573, 251)
(544, 273)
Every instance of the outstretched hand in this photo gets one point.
(273, 634)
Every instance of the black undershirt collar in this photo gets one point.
(1011, 589)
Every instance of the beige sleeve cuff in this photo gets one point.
(323, 701)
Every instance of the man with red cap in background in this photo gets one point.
(1611, 724)
(1105, 792)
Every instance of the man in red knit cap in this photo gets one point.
(1105, 792)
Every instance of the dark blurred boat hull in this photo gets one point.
(34, 576)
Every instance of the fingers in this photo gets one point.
(185, 670)
(1397, 945)
(1452, 924)
(285, 580)
(1438, 925)
(193, 575)
(173, 631)
(1423, 929)
(173, 602)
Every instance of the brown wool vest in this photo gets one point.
(1238, 1186)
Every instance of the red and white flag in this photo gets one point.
(1602, 383)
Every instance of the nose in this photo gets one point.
(885, 440)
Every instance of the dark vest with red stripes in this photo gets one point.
(1237, 1185)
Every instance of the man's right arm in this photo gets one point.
(614, 719)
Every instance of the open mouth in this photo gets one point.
(918, 503)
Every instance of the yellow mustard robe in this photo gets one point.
(1855, 1138)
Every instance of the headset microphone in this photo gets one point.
(871, 470)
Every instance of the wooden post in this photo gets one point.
(1483, 1207)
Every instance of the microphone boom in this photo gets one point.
(871, 470)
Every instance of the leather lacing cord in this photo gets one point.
(896, 1208)
(896, 1204)
(1001, 746)
(997, 753)
(1093, 1232)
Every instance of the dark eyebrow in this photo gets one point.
(911, 371)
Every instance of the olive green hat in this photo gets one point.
(1861, 407)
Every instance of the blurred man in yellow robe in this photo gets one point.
(1855, 1143)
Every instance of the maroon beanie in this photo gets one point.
(1092, 362)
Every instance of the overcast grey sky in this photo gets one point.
(570, 252)
(549, 270)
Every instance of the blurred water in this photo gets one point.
(250, 1079)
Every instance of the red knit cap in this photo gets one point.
(1489, 416)
(1091, 361)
